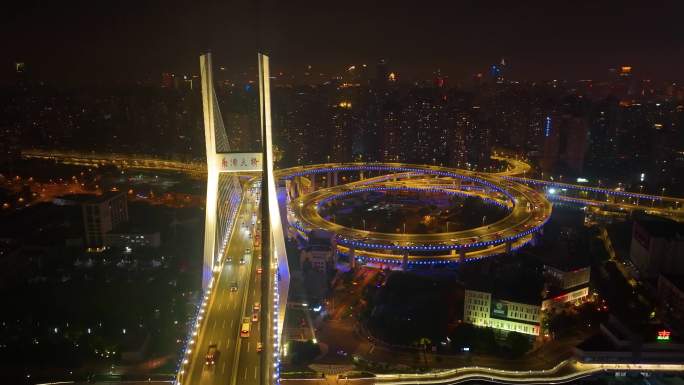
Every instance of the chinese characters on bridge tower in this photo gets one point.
(250, 161)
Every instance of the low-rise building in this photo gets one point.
(319, 252)
(566, 276)
(620, 344)
(485, 309)
(504, 295)
(319, 256)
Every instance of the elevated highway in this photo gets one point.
(527, 209)
(565, 372)
(671, 207)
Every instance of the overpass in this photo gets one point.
(564, 372)
(594, 196)
(526, 211)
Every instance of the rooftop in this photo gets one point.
(563, 258)
(105, 197)
(660, 227)
(517, 282)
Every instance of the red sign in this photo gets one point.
(663, 335)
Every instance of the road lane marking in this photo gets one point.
(223, 367)
(232, 322)
(255, 372)
(245, 372)
(248, 343)
(223, 324)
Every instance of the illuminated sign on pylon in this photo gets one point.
(240, 162)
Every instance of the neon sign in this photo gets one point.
(663, 335)
(547, 126)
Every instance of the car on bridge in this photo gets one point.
(244, 328)
(212, 355)
(234, 286)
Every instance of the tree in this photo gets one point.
(303, 352)
(518, 343)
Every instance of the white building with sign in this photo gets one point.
(482, 309)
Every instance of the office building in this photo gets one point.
(482, 308)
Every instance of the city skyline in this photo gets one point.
(539, 41)
(292, 193)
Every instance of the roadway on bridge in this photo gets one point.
(529, 210)
(238, 361)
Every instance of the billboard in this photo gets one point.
(239, 162)
(498, 309)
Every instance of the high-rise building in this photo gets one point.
(392, 149)
(101, 215)
(565, 143)
(462, 126)
(343, 126)
(382, 73)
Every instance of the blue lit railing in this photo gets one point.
(568, 186)
(431, 261)
(276, 335)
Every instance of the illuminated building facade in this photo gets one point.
(483, 309)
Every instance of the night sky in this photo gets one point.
(123, 40)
